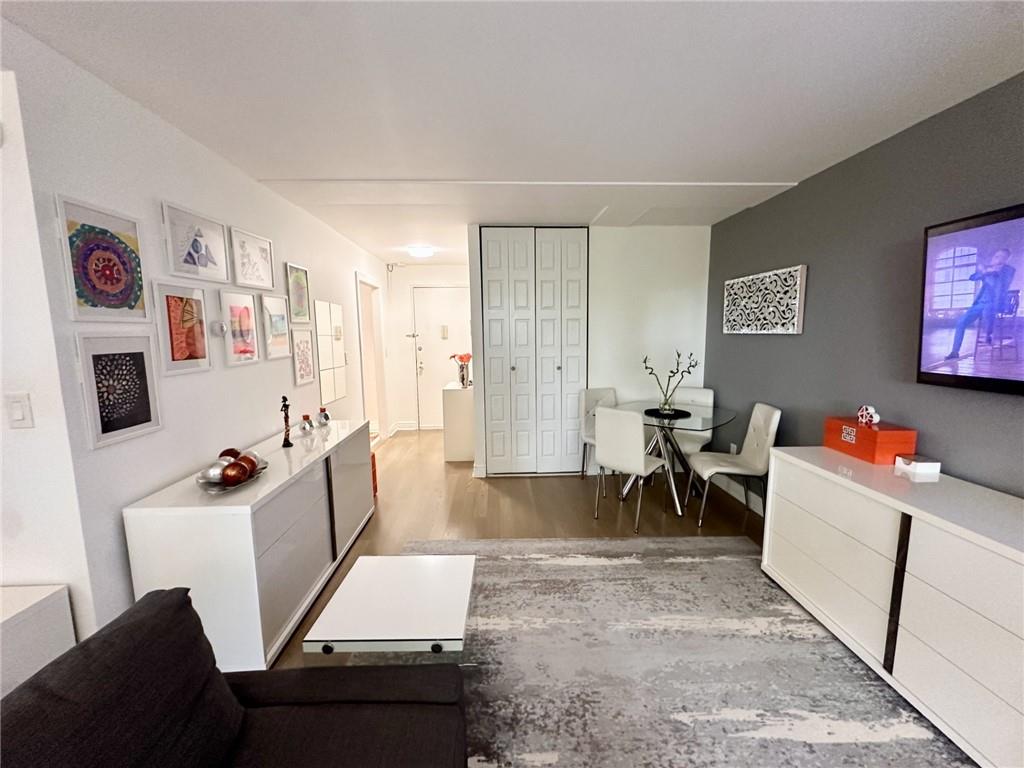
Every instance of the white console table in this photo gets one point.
(923, 581)
(256, 557)
(457, 404)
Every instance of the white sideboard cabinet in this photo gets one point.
(256, 557)
(923, 581)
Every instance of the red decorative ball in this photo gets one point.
(250, 463)
(232, 452)
(234, 473)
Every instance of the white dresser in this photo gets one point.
(255, 558)
(36, 628)
(923, 581)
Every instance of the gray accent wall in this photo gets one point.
(858, 226)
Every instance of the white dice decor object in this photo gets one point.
(867, 414)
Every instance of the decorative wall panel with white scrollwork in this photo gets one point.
(768, 302)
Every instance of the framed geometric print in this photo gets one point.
(119, 382)
(254, 259)
(196, 245)
(181, 318)
(103, 263)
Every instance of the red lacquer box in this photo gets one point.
(877, 443)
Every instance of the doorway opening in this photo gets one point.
(441, 328)
(371, 353)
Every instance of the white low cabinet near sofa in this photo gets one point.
(923, 581)
(256, 557)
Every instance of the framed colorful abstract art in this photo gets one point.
(302, 346)
(181, 317)
(297, 279)
(254, 259)
(238, 310)
(197, 245)
(119, 383)
(276, 340)
(103, 263)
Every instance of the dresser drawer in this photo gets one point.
(286, 572)
(866, 520)
(986, 722)
(857, 616)
(276, 516)
(859, 566)
(984, 650)
(988, 583)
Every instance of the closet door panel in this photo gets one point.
(549, 351)
(523, 349)
(573, 342)
(494, 263)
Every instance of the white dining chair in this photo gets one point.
(620, 446)
(692, 442)
(751, 461)
(589, 400)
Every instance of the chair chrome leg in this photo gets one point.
(704, 500)
(604, 485)
(639, 501)
(583, 469)
(689, 484)
(668, 489)
(597, 495)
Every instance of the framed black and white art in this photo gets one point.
(119, 383)
(196, 245)
(765, 303)
(254, 259)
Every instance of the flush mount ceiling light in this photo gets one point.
(420, 251)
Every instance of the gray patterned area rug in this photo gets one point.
(664, 652)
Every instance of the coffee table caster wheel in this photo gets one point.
(436, 648)
(327, 649)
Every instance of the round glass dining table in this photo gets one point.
(697, 418)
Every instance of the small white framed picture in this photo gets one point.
(181, 318)
(254, 259)
(297, 279)
(302, 346)
(103, 263)
(197, 246)
(276, 340)
(119, 384)
(238, 311)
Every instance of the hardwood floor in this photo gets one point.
(421, 497)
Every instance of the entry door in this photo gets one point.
(441, 320)
(561, 346)
(508, 285)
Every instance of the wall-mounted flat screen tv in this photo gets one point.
(972, 321)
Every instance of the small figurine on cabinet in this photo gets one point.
(287, 427)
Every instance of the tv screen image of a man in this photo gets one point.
(995, 278)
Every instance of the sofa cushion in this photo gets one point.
(143, 691)
(418, 683)
(357, 735)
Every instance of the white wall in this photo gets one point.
(41, 536)
(88, 141)
(401, 362)
(648, 296)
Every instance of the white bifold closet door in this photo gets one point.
(534, 283)
(561, 346)
(508, 282)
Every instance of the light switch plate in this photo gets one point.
(18, 406)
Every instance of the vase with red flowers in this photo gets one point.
(463, 362)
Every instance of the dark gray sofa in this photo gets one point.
(145, 691)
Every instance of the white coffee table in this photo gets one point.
(397, 603)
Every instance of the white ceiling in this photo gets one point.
(400, 123)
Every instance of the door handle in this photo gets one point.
(558, 367)
(512, 368)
